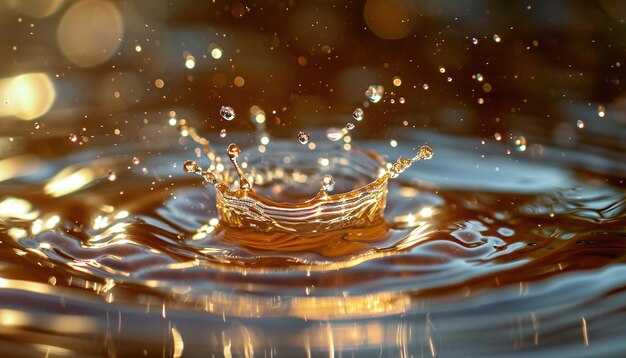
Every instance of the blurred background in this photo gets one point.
(81, 72)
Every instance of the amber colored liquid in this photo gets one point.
(158, 258)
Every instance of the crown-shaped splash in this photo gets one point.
(362, 205)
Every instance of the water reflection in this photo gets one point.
(509, 242)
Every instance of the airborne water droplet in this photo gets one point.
(350, 126)
(520, 143)
(474, 41)
(358, 114)
(233, 151)
(223, 133)
(374, 93)
(73, 137)
(303, 138)
(424, 153)
(111, 176)
(191, 167)
(327, 182)
(228, 113)
(334, 134)
(135, 160)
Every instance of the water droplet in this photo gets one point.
(358, 114)
(580, 124)
(349, 126)
(37, 125)
(191, 167)
(497, 136)
(399, 167)
(73, 137)
(375, 93)
(227, 113)
(424, 153)
(334, 134)
(449, 79)
(474, 41)
(520, 143)
(223, 133)
(479, 77)
(135, 160)
(496, 38)
(601, 111)
(303, 138)
(233, 151)
(111, 176)
(442, 69)
(327, 182)
(425, 86)
(401, 100)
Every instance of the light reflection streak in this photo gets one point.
(15, 208)
(18, 166)
(68, 181)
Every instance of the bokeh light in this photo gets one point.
(27, 96)
(35, 8)
(389, 19)
(90, 32)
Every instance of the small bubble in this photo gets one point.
(73, 137)
(393, 143)
(497, 136)
(425, 86)
(223, 133)
(392, 101)
(580, 124)
(397, 81)
(496, 38)
(135, 160)
(138, 48)
(401, 100)
(474, 41)
(358, 114)
(442, 69)
(334, 134)
(303, 138)
(111, 176)
(228, 113)
(601, 111)
(478, 77)
(328, 182)
(449, 79)
(350, 126)
(375, 93)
